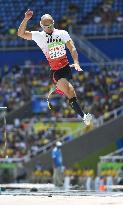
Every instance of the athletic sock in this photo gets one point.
(75, 105)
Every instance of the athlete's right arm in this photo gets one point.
(22, 28)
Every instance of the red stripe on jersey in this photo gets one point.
(58, 63)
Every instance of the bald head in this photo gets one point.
(47, 23)
(47, 18)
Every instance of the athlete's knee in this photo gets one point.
(60, 83)
(71, 91)
(66, 87)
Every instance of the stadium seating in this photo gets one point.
(92, 29)
(96, 98)
(100, 91)
(57, 10)
(73, 12)
(10, 11)
(16, 8)
(117, 6)
(24, 139)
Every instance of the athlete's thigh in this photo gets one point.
(63, 84)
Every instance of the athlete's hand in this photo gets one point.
(76, 66)
(28, 14)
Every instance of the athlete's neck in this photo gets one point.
(50, 33)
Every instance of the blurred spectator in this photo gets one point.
(119, 19)
(109, 183)
(100, 91)
(120, 176)
(24, 140)
(1, 26)
(88, 183)
(107, 14)
(103, 88)
(97, 19)
(57, 165)
(96, 183)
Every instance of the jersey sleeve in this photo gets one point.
(66, 36)
(36, 36)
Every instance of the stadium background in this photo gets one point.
(96, 26)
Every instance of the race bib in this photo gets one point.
(56, 50)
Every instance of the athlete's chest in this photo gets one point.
(55, 45)
(54, 39)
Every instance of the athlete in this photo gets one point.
(52, 42)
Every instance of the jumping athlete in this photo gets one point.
(52, 42)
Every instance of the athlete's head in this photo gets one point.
(47, 23)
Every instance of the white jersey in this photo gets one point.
(53, 46)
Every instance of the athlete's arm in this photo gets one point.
(70, 45)
(22, 28)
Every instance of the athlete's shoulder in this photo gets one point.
(64, 35)
(38, 32)
(37, 36)
(42, 32)
(61, 31)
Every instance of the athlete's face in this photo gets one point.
(47, 25)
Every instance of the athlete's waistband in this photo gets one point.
(66, 66)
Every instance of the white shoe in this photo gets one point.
(87, 118)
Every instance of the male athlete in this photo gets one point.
(52, 42)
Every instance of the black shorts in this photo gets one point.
(64, 72)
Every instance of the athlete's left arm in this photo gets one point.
(70, 45)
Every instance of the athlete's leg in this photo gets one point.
(65, 86)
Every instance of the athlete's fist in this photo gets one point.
(28, 14)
